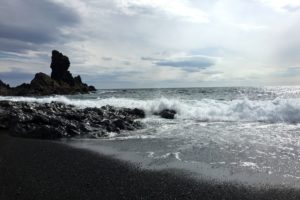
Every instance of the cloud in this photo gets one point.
(170, 8)
(289, 72)
(108, 80)
(188, 62)
(149, 58)
(140, 42)
(107, 58)
(251, 27)
(26, 34)
(25, 25)
(282, 5)
(8, 45)
(292, 8)
(16, 77)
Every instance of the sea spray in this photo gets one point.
(204, 110)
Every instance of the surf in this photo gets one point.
(278, 110)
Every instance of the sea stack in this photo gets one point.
(60, 65)
(61, 81)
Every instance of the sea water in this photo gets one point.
(244, 134)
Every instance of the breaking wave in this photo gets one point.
(206, 110)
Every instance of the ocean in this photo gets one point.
(249, 135)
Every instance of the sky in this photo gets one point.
(154, 43)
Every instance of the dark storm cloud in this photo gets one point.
(8, 45)
(26, 24)
(26, 34)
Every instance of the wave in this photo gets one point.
(106, 91)
(205, 110)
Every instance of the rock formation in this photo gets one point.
(60, 65)
(4, 88)
(57, 120)
(60, 82)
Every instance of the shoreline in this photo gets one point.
(41, 169)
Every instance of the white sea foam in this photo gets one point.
(169, 155)
(249, 164)
(278, 110)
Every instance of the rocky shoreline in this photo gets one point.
(57, 120)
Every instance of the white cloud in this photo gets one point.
(235, 41)
(281, 5)
(172, 8)
(251, 27)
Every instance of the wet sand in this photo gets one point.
(40, 169)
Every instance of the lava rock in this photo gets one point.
(60, 82)
(60, 65)
(91, 88)
(167, 113)
(3, 85)
(4, 88)
(57, 120)
(42, 80)
(138, 112)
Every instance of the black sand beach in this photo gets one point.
(40, 169)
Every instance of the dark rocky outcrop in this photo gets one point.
(60, 82)
(4, 88)
(60, 65)
(57, 120)
(167, 113)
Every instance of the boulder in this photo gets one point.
(167, 113)
(91, 88)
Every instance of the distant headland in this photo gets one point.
(61, 81)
